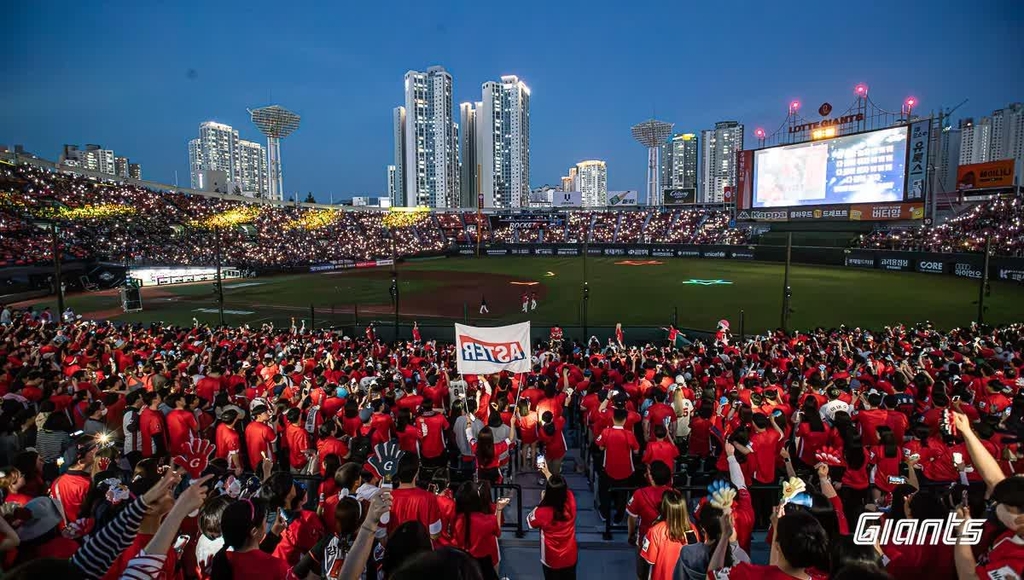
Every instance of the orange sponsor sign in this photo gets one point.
(873, 212)
(985, 175)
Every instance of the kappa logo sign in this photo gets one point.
(474, 350)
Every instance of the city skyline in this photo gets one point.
(337, 74)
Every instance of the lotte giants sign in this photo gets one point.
(484, 351)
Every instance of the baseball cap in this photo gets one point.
(365, 414)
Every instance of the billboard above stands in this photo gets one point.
(567, 199)
(622, 198)
(991, 175)
(862, 168)
(858, 212)
(872, 212)
(681, 196)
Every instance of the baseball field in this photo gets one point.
(644, 292)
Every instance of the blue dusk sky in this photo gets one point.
(139, 77)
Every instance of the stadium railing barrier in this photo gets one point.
(962, 265)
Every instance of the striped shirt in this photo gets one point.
(103, 546)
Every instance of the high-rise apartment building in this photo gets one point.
(431, 146)
(243, 163)
(396, 185)
(679, 162)
(503, 143)
(718, 161)
(592, 179)
(998, 136)
(393, 189)
(468, 162)
(96, 158)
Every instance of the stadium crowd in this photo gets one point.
(1001, 219)
(151, 452)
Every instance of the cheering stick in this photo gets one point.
(385, 462)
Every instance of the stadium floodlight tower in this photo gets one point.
(276, 123)
(652, 134)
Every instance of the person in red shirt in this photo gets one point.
(299, 448)
(618, 446)
(551, 433)
(555, 517)
(228, 441)
(644, 506)
(661, 449)
(411, 503)
(432, 424)
(260, 438)
(660, 547)
(151, 426)
(243, 526)
(870, 418)
(800, 549)
(382, 423)
(765, 442)
(208, 386)
(658, 414)
(69, 490)
(182, 425)
(475, 529)
(329, 444)
(526, 427)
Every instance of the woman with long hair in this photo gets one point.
(885, 460)
(476, 529)
(328, 556)
(408, 435)
(812, 434)
(11, 483)
(491, 453)
(665, 539)
(243, 527)
(555, 517)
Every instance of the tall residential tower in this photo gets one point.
(503, 143)
(718, 161)
(431, 157)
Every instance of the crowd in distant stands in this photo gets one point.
(161, 452)
(167, 228)
(1002, 220)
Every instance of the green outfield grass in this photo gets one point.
(634, 295)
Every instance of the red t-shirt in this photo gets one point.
(659, 413)
(554, 445)
(259, 441)
(766, 446)
(181, 426)
(700, 436)
(645, 506)
(484, 532)
(432, 425)
(618, 445)
(151, 426)
(208, 387)
(409, 439)
(69, 490)
(1004, 558)
(869, 421)
(259, 564)
(661, 552)
(526, 428)
(299, 537)
(298, 441)
(558, 547)
(228, 441)
(663, 451)
(330, 446)
(413, 504)
(137, 546)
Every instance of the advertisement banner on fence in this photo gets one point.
(860, 260)
(873, 212)
(490, 350)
